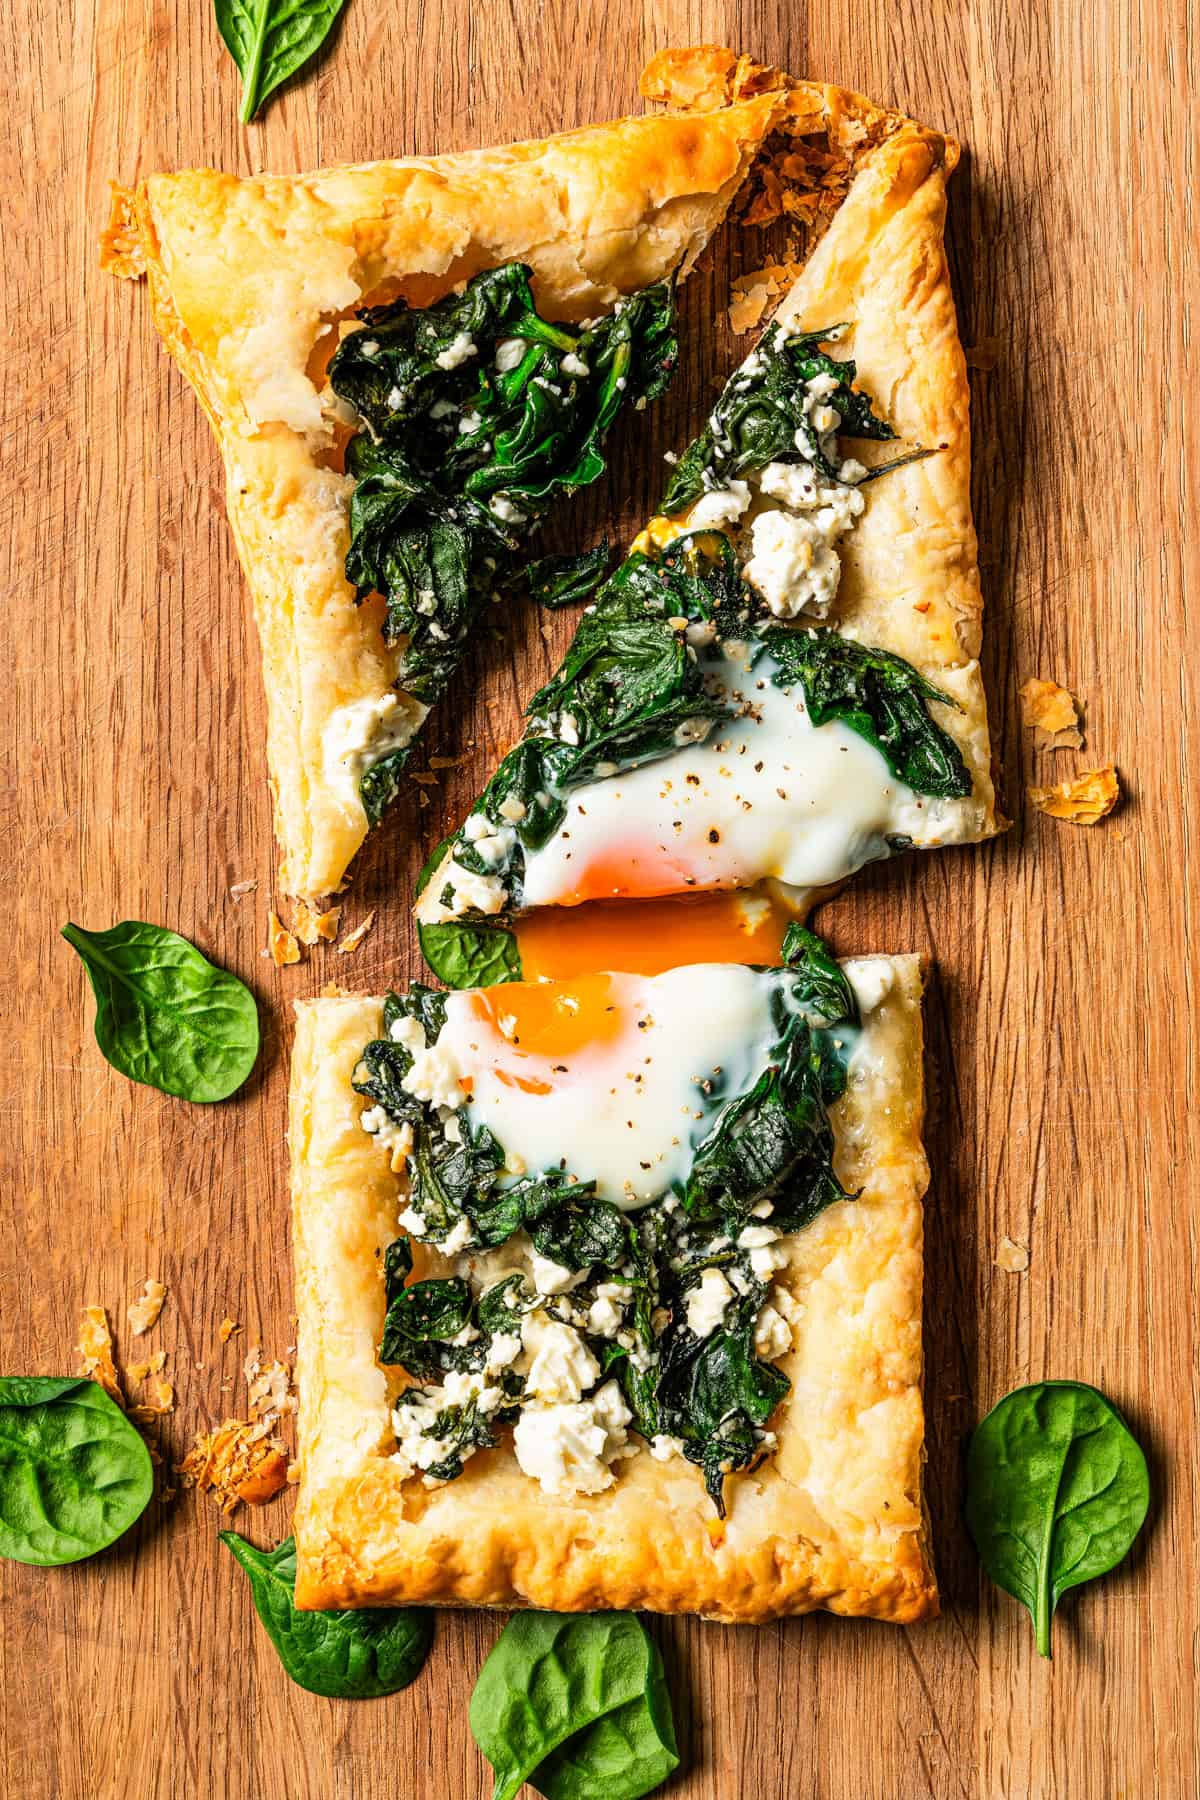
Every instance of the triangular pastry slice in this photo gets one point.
(781, 683)
(609, 1293)
(252, 282)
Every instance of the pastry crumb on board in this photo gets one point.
(1083, 800)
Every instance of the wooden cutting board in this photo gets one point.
(1061, 1016)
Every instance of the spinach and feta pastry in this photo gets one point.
(609, 1292)
(253, 282)
(625, 1284)
(780, 684)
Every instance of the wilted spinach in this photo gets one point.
(1057, 1491)
(357, 1655)
(557, 581)
(74, 1473)
(772, 1143)
(632, 690)
(165, 1015)
(577, 1705)
(764, 412)
(477, 414)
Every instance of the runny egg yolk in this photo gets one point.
(647, 937)
(531, 1027)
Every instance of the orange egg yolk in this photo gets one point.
(530, 1028)
(646, 937)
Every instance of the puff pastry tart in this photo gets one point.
(610, 1293)
(253, 282)
(781, 683)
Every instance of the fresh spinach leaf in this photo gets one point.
(358, 1655)
(577, 1705)
(557, 581)
(878, 695)
(478, 413)
(165, 1015)
(764, 413)
(74, 1473)
(1057, 1491)
(468, 953)
(270, 40)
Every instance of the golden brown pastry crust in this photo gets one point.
(248, 279)
(835, 1518)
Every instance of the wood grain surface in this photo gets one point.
(1062, 1017)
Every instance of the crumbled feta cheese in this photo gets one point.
(568, 728)
(412, 1221)
(872, 979)
(512, 809)
(503, 1351)
(772, 1333)
(473, 893)
(456, 352)
(722, 506)
(503, 508)
(458, 1239)
(567, 1449)
(663, 1448)
(604, 1317)
(573, 365)
(550, 1277)
(435, 1076)
(766, 1252)
(509, 352)
(470, 421)
(792, 564)
(397, 1140)
(560, 1364)
(706, 1303)
(359, 734)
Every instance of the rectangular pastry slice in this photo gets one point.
(610, 1293)
(781, 683)
(254, 283)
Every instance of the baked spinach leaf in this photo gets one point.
(477, 414)
(74, 1473)
(165, 1015)
(1057, 1491)
(632, 690)
(764, 415)
(878, 695)
(556, 581)
(358, 1655)
(577, 1705)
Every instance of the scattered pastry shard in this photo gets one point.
(252, 282)
(781, 683)
(568, 1342)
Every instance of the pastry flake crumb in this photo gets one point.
(240, 889)
(332, 991)
(244, 1460)
(122, 252)
(226, 1329)
(239, 1461)
(1012, 1257)
(1083, 800)
(314, 927)
(1052, 712)
(281, 945)
(162, 1403)
(143, 1312)
(95, 1349)
(353, 939)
